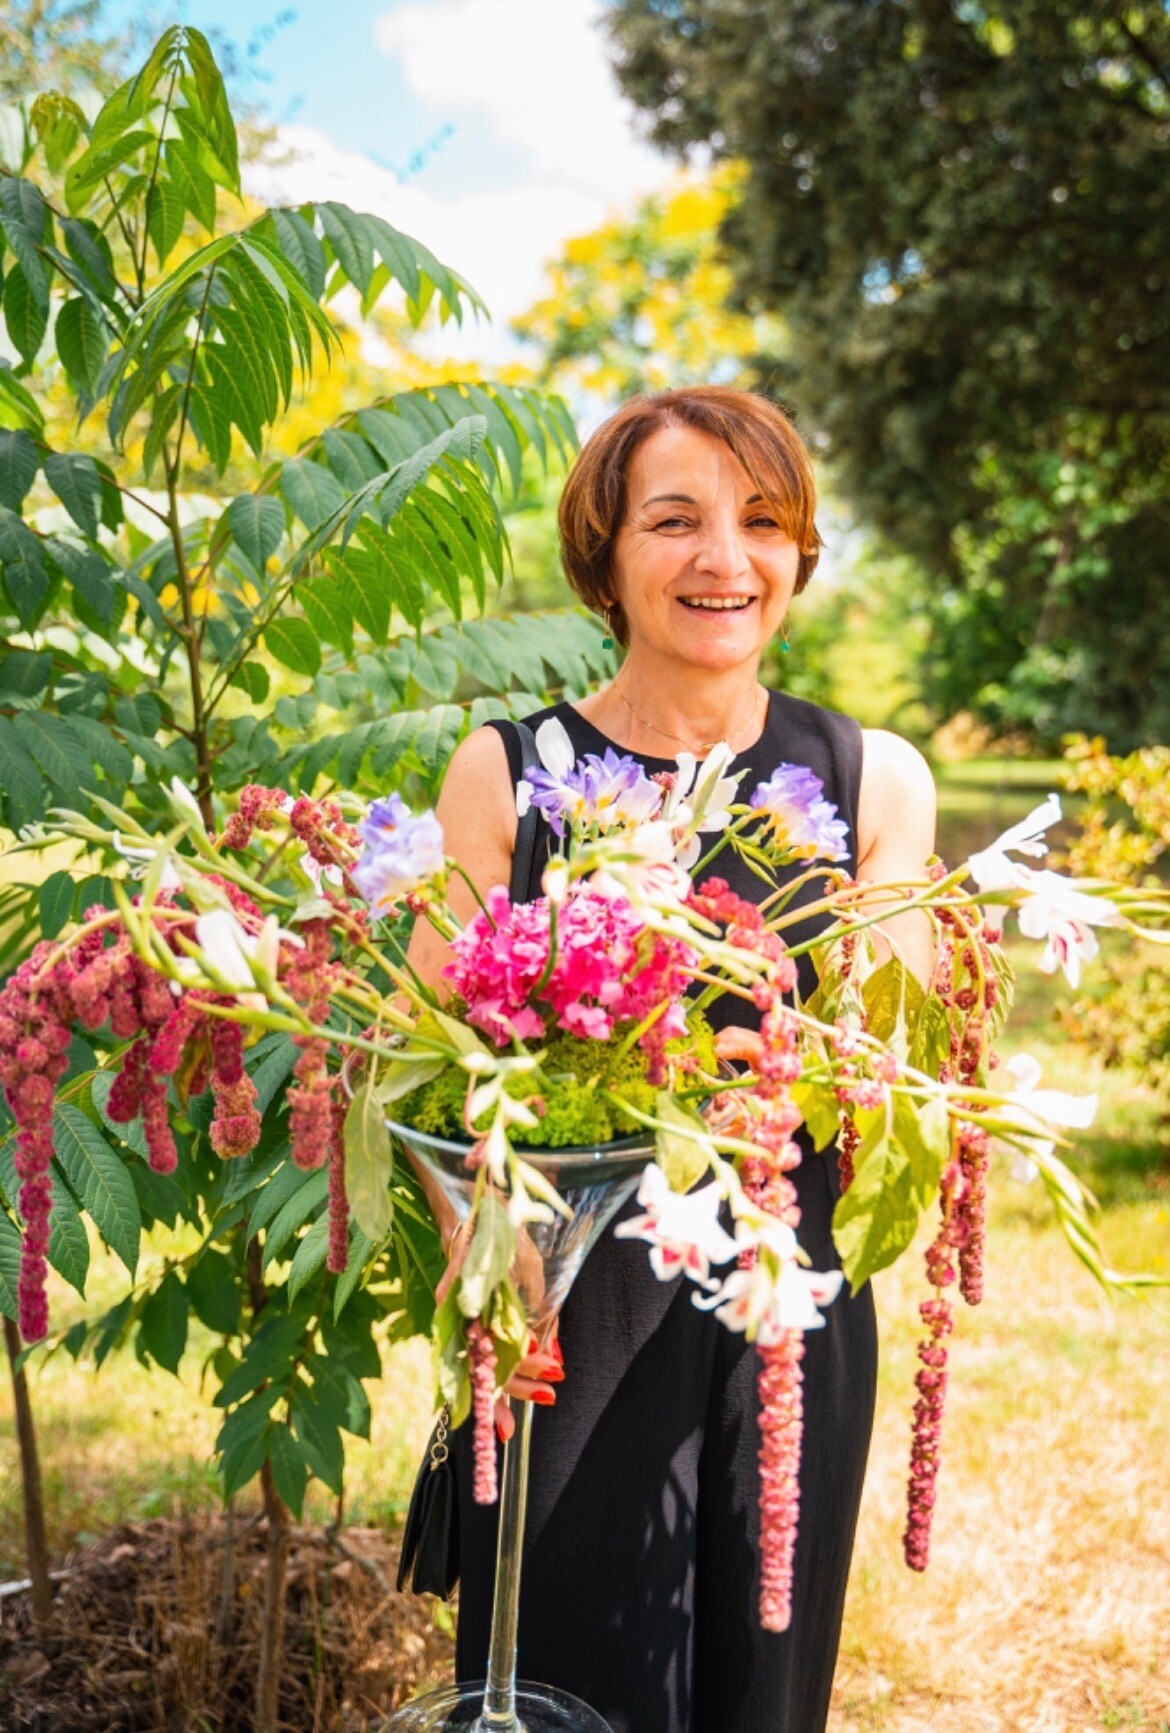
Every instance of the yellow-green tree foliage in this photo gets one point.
(643, 303)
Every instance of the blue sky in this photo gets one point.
(491, 129)
(319, 64)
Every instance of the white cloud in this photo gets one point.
(537, 71)
(534, 75)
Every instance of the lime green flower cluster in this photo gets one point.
(582, 1108)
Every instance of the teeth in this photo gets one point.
(716, 603)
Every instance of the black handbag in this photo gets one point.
(429, 1562)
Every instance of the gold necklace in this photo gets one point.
(704, 745)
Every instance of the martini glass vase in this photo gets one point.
(594, 1182)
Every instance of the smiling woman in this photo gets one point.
(688, 520)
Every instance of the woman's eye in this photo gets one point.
(763, 523)
(672, 523)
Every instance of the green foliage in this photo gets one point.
(962, 214)
(306, 621)
(1124, 834)
(581, 1111)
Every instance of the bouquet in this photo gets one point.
(580, 1019)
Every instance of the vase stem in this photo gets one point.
(499, 1706)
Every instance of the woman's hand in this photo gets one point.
(539, 1370)
(736, 1043)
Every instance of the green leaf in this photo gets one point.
(252, 678)
(164, 1322)
(309, 1256)
(349, 1279)
(451, 1359)
(340, 1394)
(101, 1181)
(681, 1149)
(23, 566)
(319, 1436)
(489, 1256)
(166, 214)
(294, 1213)
(17, 407)
(9, 1265)
(257, 525)
(55, 903)
(350, 241)
(818, 1105)
(214, 1292)
(21, 781)
(924, 1136)
(50, 742)
(269, 1357)
(893, 1000)
(68, 1240)
(294, 642)
(875, 1220)
(83, 341)
(19, 462)
(24, 675)
(301, 246)
(290, 1474)
(74, 478)
(313, 492)
(244, 1440)
(369, 1163)
(26, 318)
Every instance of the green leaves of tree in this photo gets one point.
(369, 1162)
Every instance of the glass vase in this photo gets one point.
(594, 1181)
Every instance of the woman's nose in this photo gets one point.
(722, 552)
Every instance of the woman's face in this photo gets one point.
(702, 568)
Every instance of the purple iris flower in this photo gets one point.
(598, 792)
(402, 852)
(799, 819)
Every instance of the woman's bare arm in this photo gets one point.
(477, 810)
(895, 837)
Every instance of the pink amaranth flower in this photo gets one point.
(781, 1432)
(338, 1256)
(481, 1354)
(931, 1379)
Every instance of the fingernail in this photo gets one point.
(556, 1349)
(554, 1375)
(532, 1343)
(500, 1433)
(546, 1398)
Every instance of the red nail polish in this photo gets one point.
(546, 1398)
(501, 1434)
(556, 1350)
(533, 1344)
(554, 1375)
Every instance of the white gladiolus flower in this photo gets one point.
(682, 1229)
(141, 857)
(1032, 1109)
(764, 1302)
(1056, 911)
(992, 870)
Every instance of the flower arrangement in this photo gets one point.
(579, 1018)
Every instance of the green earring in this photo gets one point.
(607, 643)
(784, 644)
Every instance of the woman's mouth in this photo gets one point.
(717, 604)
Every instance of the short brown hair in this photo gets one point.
(758, 432)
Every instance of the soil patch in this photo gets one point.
(156, 1630)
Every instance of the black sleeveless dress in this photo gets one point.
(640, 1584)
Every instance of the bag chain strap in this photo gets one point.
(439, 1451)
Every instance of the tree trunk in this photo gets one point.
(30, 1473)
(272, 1616)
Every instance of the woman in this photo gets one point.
(688, 522)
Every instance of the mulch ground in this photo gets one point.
(155, 1632)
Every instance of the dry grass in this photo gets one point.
(1046, 1607)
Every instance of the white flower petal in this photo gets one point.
(555, 747)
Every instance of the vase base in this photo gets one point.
(539, 1709)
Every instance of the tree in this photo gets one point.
(642, 303)
(963, 213)
(161, 643)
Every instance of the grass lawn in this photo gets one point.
(1046, 1608)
